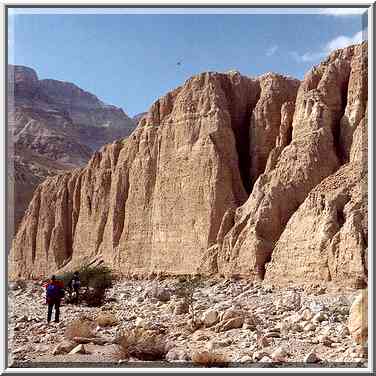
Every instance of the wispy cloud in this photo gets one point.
(338, 42)
(271, 50)
(342, 12)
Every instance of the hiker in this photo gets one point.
(75, 285)
(54, 294)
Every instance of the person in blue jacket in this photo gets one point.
(54, 294)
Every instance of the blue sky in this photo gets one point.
(130, 60)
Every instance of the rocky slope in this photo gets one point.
(211, 179)
(56, 122)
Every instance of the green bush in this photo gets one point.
(90, 276)
(94, 282)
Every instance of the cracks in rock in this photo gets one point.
(242, 146)
(338, 147)
(241, 101)
(120, 201)
(34, 231)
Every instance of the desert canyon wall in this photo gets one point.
(226, 174)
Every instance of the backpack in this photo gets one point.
(53, 292)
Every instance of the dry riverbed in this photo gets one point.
(237, 323)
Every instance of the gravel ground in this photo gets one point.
(249, 324)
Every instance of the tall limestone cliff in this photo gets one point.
(210, 180)
(327, 132)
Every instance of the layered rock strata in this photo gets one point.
(53, 126)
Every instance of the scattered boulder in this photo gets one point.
(140, 322)
(181, 308)
(80, 349)
(234, 323)
(95, 341)
(177, 355)
(325, 340)
(358, 319)
(13, 286)
(230, 314)
(311, 358)
(306, 314)
(319, 317)
(210, 317)
(279, 355)
(64, 347)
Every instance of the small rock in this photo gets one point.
(80, 349)
(181, 308)
(24, 318)
(311, 358)
(265, 359)
(325, 340)
(18, 350)
(257, 355)
(344, 332)
(139, 299)
(319, 317)
(249, 326)
(210, 317)
(140, 322)
(279, 354)
(13, 286)
(234, 323)
(231, 313)
(307, 314)
(309, 327)
(177, 355)
(246, 359)
(63, 347)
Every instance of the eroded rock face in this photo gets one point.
(293, 170)
(210, 181)
(327, 237)
(276, 91)
(138, 204)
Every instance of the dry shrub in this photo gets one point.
(106, 319)
(143, 344)
(82, 327)
(207, 358)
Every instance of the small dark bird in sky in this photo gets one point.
(178, 63)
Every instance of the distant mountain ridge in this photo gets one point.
(58, 123)
(136, 118)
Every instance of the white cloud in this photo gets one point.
(338, 42)
(342, 12)
(344, 41)
(271, 50)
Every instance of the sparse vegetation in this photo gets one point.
(106, 319)
(143, 344)
(94, 282)
(83, 327)
(186, 289)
